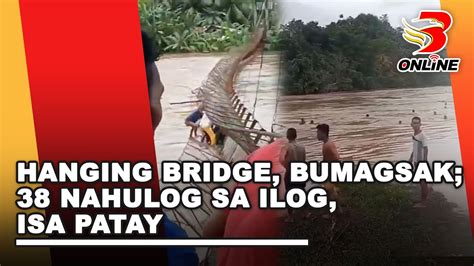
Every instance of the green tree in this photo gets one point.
(352, 53)
(201, 25)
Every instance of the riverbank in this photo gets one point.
(213, 54)
(379, 226)
(339, 90)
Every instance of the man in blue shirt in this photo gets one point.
(193, 120)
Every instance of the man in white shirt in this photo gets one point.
(419, 154)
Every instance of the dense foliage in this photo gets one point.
(350, 54)
(201, 25)
(379, 226)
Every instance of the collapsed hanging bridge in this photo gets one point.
(243, 133)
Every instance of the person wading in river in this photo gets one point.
(330, 154)
(419, 154)
(296, 153)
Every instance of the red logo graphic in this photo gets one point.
(432, 38)
(434, 57)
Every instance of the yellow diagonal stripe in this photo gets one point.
(413, 40)
(17, 134)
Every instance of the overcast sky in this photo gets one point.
(327, 11)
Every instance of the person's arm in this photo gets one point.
(284, 156)
(330, 153)
(411, 157)
(325, 152)
(215, 225)
(156, 92)
(156, 114)
(333, 152)
(425, 148)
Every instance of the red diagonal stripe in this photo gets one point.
(89, 97)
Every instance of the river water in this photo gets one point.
(371, 125)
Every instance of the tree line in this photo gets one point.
(351, 54)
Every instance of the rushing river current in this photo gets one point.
(371, 125)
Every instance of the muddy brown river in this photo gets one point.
(385, 134)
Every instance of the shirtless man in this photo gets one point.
(155, 87)
(329, 148)
(176, 255)
(330, 154)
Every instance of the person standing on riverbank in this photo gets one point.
(330, 154)
(419, 154)
(296, 153)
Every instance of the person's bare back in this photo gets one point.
(299, 152)
(330, 153)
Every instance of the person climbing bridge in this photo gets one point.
(193, 120)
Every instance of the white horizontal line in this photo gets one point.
(160, 242)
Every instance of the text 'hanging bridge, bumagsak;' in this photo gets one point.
(243, 133)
